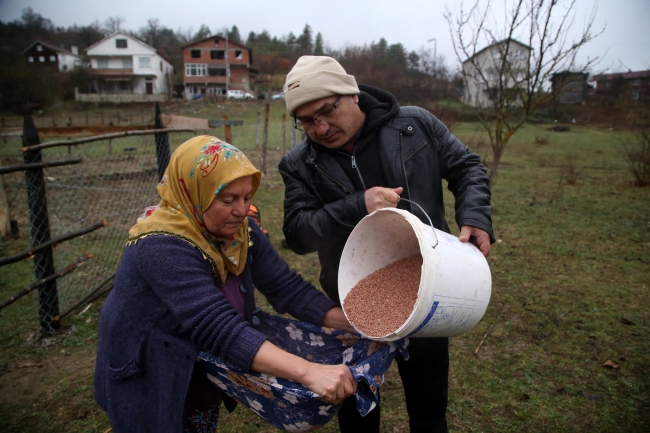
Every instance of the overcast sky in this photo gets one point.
(625, 43)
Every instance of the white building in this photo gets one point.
(45, 55)
(482, 72)
(127, 70)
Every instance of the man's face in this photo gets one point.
(337, 127)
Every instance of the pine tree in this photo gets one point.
(318, 45)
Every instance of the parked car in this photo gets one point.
(278, 96)
(238, 94)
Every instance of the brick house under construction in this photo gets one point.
(630, 86)
(214, 65)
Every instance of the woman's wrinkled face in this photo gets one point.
(228, 209)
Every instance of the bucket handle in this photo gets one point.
(427, 215)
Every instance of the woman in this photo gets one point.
(185, 283)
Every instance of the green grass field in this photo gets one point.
(571, 277)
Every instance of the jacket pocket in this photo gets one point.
(411, 152)
(132, 369)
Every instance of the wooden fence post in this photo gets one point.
(163, 152)
(226, 131)
(265, 137)
(284, 128)
(48, 299)
(5, 225)
(257, 131)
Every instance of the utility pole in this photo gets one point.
(227, 66)
(435, 47)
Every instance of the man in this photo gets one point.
(362, 152)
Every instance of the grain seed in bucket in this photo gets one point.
(382, 302)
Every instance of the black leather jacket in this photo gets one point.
(321, 206)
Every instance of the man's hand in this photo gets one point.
(476, 236)
(379, 197)
(335, 318)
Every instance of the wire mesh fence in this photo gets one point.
(115, 181)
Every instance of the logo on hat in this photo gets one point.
(293, 85)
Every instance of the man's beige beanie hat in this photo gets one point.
(316, 77)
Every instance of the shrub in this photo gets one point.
(541, 139)
(637, 156)
(569, 172)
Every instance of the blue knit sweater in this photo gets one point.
(165, 307)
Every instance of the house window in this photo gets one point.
(161, 66)
(144, 62)
(196, 54)
(217, 54)
(39, 48)
(216, 41)
(127, 63)
(31, 59)
(65, 67)
(636, 82)
(216, 72)
(195, 69)
(52, 58)
(634, 96)
(102, 63)
(41, 59)
(238, 54)
(120, 43)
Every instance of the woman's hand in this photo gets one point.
(335, 318)
(333, 382)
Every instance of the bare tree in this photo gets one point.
(507, 67)
(150, 32)
(113, 24)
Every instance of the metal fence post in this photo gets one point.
(163, 152)
(48, 299)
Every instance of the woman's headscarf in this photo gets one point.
(198, 170)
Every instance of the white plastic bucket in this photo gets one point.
(455, 283)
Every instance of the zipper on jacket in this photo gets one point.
(332, 178)
(354, 165)
(406, 181)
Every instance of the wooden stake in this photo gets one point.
(226, 131)
(483, 340)
(284, 128)
(257, 133)
(265, 137)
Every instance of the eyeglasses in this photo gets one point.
(310, 125)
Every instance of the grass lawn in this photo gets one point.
(571, 276)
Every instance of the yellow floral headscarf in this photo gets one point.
(198, 170)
